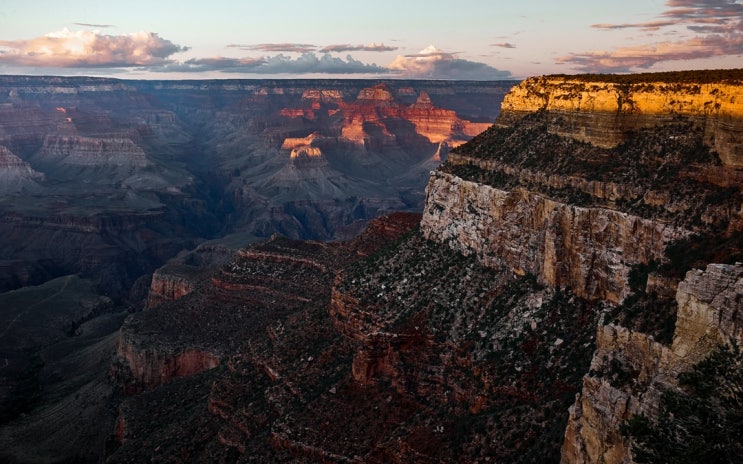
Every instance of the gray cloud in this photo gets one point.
(504, 45)
(277, 47)
(718, 25)
(307, 63)
(648, 26)
(100, 26)
(372, 47)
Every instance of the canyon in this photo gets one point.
(111, 178)
(122, 194)
(569, 266)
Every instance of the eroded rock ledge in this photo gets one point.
(589, 250)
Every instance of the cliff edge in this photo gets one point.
(621, 189)
(605, 110)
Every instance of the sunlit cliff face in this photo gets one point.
(306, 151)
(617, 109)
(374, 106)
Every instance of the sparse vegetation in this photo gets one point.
(702, 422)
(654, 174)
(523, 346)
(703, 76)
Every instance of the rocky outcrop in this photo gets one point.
(16, 175)
(440, 125)
(376, 118)
(149, 368)
(587, 249)
(604, 112)
(584, 184)
(181, 275)
(169, 285)
(630, 370)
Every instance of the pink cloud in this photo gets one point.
(718, 25)
(432, 63)
(87, 49)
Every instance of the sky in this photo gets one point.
(432, 39)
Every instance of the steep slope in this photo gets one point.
(613, 186)
(630, 371)
(570, 230)
(304, 363)
(16, 175)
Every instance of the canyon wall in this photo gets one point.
(522, 322)
(586, 184)
(630, 371)
(589, 250)
(604, 113)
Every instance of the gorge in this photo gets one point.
(570, 265)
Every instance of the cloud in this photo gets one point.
(649, 26)
(307, 63)
(372, 47)
(504, 45)
(717, 25)
(100, 26)
(432, 63)
(625, 58)
(89, 49)
(277, 47)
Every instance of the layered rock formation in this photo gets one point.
(555, 206)
(589, 250)
(469, 339)
(588, 185)
(16, 175)
(92, 152)
(604, 111)
(110, 179)
(559, 235)
(319, 365)
(630, 370)
(210, 158)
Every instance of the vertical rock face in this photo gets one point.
(588, 249)
(630, 371)
(151, 368)
(168, 286)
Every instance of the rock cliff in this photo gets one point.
(605, 112)
(612, 187)
(590, 250)
(581, 213)
(630, 370)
